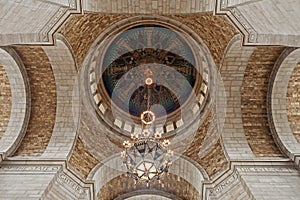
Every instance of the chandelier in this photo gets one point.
(146, 156)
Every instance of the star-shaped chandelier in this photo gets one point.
(146, 156)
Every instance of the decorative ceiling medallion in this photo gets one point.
(147, 117)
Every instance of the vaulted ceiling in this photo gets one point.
(56, 106)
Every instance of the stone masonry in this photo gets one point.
(81, 31)
(43, 100)
(215, 31)
(171, 184)
(254, 96)
(81, 160)
(293, 102)
(215, 160)
(5, 101)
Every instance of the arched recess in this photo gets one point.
(277, 105)
(183, 168)
(20, 100)
(234, 65)
(66, 118)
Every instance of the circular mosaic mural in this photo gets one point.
(149, 52)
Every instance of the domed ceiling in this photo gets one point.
(152, 52)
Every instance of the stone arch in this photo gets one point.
(277, 105)
(183, 168)
(67, 114)
(234, 64)
(20, 101)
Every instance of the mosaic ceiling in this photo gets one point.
(149, 51)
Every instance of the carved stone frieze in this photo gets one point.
(28, 168)
(252, 35)
(224, 185)
(234, 179)
(268, 169)
(70, 183)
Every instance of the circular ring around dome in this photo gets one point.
(121, 120)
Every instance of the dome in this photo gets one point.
(123, 62)
(148, 51)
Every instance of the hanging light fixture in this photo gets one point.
(146, 156)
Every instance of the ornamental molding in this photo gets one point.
(297, 161)
(249, 33)
(224, 4)
(73, 3)
(69, 186)
(47, 32)
(29, 168)
(268, 169)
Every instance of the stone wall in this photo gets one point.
(254, 97)
(213, 161)
(5, 101)
(43, 100)
(81, 31)
(215, 31)
(293, 102)
(271, 182)
(81, 160)
(21, 181)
